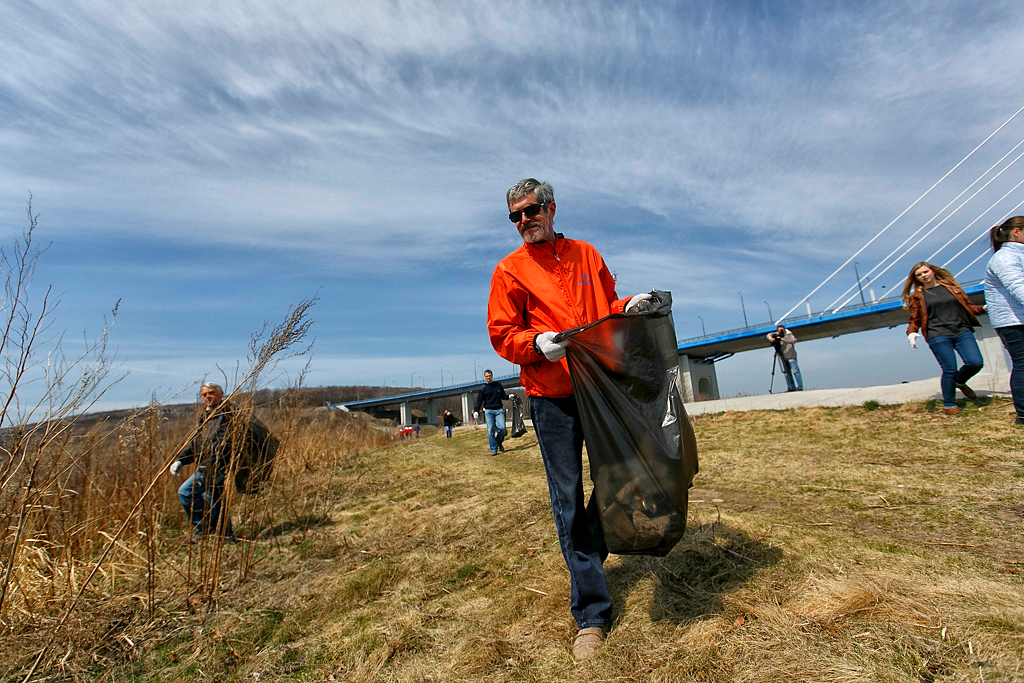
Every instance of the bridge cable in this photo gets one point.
(903, 213)
(938, 225)
(975, 240)
(984, 233)
(916, 232)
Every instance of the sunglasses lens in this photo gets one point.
(529, 211)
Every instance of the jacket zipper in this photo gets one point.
(566, 289)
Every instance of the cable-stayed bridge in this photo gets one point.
(949, 232)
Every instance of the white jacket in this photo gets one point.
(1004, 286)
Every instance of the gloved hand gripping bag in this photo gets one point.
(642, 450)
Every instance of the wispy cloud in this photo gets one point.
(367, 146)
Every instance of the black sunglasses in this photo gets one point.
(528, 211)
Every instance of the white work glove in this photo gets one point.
(175, 468)
(511, 396)
(476, 415)
(552, 350)
(635, 300)
(912, 338)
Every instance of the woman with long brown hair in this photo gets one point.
(946, 319)
(1004, 294)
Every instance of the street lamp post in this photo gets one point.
(442, 377)
(474, 367)
(702, 330)
(743, 306)
(451, 377)
(771, 318)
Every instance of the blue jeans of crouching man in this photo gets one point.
(560, 437)
(943, 348)
(495, 419)
(203, 504)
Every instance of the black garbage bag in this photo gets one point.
(643, 454)
(518, 423)
(255, 461)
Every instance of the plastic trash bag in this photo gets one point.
(643, 454)
(255, 461)
(518, 423)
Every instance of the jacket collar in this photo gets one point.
(545, 245)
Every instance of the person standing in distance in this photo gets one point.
(490, 396)
(202, 494)
(783, 340)
(550, 284)
(449, 422)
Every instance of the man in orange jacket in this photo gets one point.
(547, 285)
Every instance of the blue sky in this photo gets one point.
(209, 165)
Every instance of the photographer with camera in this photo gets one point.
(783, 341)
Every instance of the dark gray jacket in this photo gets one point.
(211, 444)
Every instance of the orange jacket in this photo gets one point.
(919, 311)
(547, 288)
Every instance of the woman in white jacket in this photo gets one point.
(1004, 294)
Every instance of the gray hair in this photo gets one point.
(542, 191)
(212, 385)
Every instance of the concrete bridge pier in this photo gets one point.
(699, 379)
(467, 414)
(431, 412)
(406, 413)
(994, 355)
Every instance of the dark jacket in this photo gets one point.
(919, 311)
(491, 395)
(211, 445)
(449, 420)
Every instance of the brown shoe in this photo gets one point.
(588, 640)
(967, 391)
(952, 411)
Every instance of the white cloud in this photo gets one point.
(742, 141)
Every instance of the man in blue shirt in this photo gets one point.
(491, 396)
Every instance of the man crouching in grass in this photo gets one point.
(550, 284)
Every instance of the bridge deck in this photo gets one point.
(508, 382)
(873, 316)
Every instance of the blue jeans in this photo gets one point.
(1013, 340)
(448, 431)
(202, 504)
(495, 419)
(556, 422)
(943, 348)
(793, 380)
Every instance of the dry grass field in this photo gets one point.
(834, 545)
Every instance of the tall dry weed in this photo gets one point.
(94, 542)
